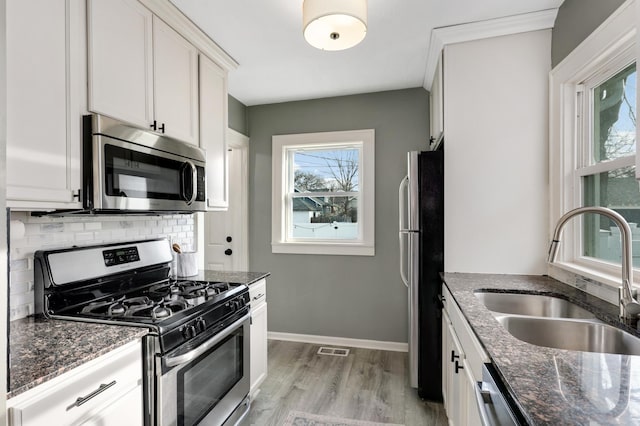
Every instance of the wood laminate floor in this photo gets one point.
(369, 385)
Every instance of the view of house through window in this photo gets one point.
(612, 140)
(323, 192)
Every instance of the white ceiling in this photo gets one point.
(277, 65)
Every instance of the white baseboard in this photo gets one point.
(340, 341)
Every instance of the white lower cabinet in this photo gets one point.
(104, 391)
(258, 372)
(462, 358)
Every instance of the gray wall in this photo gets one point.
(575, 21)
(359, 297)
(238, 116)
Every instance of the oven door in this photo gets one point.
(207, 384)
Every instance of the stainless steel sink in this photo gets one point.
(532, 305)
(586, 336)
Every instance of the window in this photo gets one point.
(607, 174)
(323, 193)
(593, 147)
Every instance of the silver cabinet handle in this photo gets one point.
(260, 296)
(82, 399)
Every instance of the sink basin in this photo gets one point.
(532, 304)
(586, 336)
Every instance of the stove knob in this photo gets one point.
(201, 325)
(189, 332)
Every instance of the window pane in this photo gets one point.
(326, 170)
(614, 122)
(324, 218)
(618, 190)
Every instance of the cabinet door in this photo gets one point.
(109, 384)
(120, 60)
(213, 131)
(43, 123)
(175, 63)
(456, 380)
(258, 370)
(446, 350)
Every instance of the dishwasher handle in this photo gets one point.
(483, 398)
(493, 405)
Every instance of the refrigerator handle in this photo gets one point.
(402, 230)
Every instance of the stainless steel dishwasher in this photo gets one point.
(494, 403)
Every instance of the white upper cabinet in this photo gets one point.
(213, 129)
(175, 83)
(140, 70)
(120, 60)
(44, 81)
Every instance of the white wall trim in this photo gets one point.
(236, 140)
(515, 24)
(340, 341)
(365, 245)
(608, 47)
(618, 29)
(173, 17)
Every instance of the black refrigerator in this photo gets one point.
(421, 210)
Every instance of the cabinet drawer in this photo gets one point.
(99, 382)
(258, 293)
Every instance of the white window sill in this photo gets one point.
(601, 284)
(336, 249)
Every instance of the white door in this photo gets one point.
(226, 234)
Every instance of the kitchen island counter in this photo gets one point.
(42, 349)
(552, 386)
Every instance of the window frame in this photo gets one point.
(603, 54)
(281, 169)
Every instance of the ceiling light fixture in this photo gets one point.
(334, 24)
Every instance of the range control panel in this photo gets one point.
(120, 256)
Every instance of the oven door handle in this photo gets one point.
(191, 355)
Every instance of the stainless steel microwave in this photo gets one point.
(131, 170)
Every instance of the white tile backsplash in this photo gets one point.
(49, 232)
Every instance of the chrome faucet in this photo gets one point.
(629, 307)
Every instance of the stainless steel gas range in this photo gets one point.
(196, 355)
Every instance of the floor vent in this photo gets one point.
(325, 350)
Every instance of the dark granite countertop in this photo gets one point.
(553, 386)
(42, 349)
(236, 277)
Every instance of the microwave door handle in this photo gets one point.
(194, 183)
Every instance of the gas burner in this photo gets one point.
(102, 307)
(194, 297)
(117, 308)
(175, 305)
